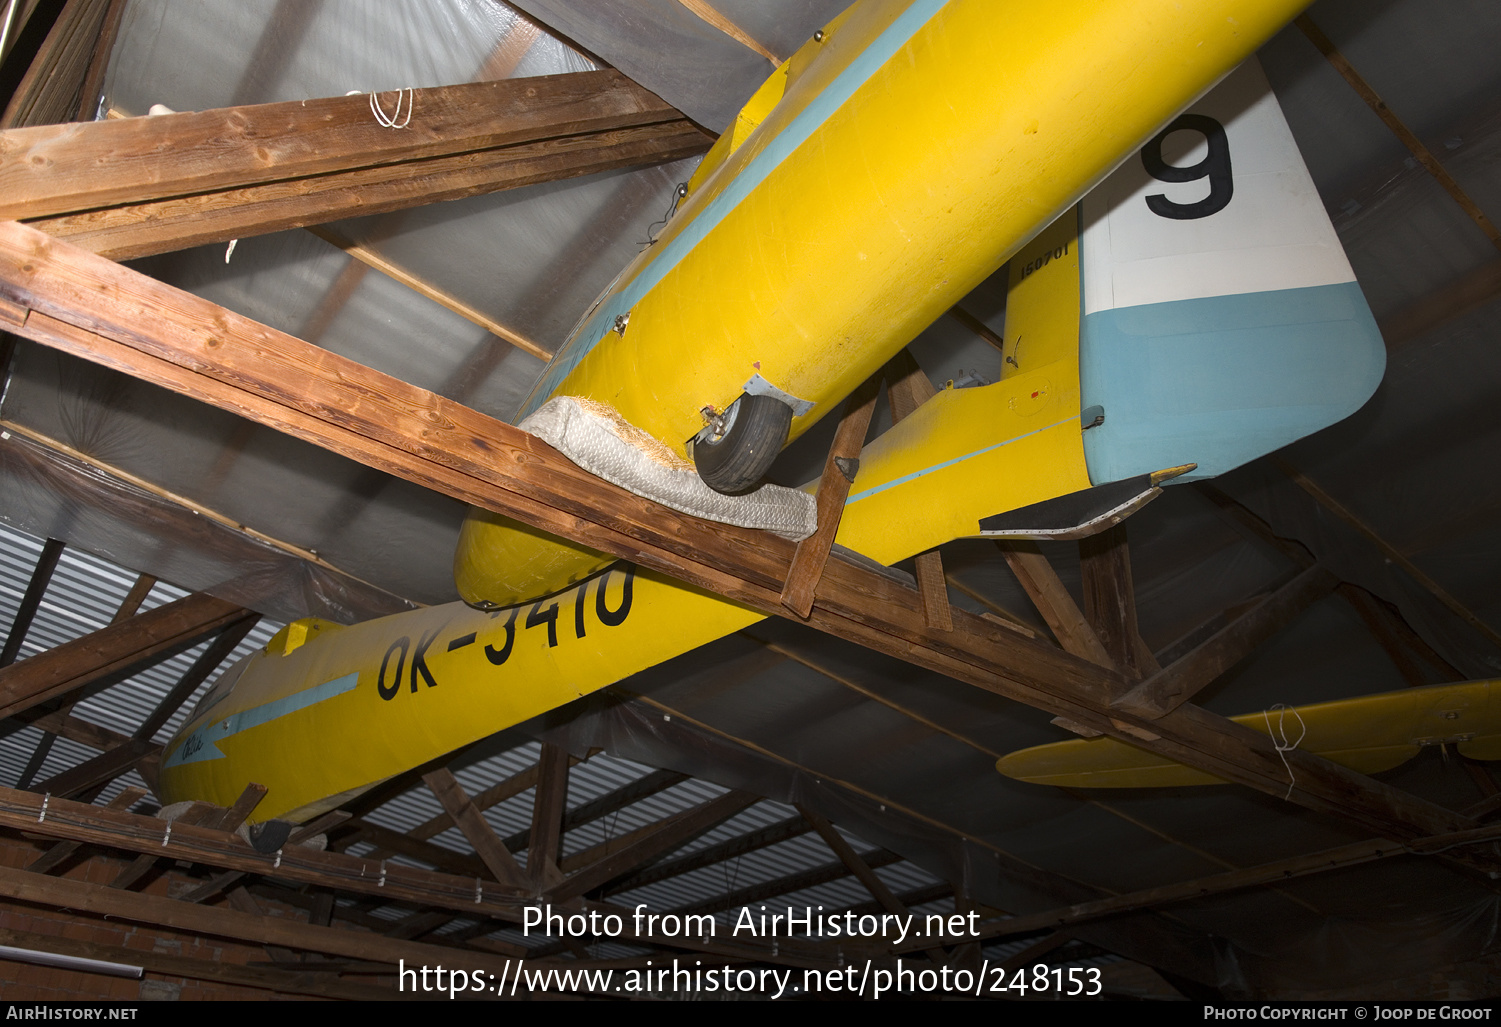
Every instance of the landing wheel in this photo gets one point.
(753, 432)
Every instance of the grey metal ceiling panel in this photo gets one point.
(662, 45)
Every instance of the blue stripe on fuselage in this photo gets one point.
(204, 740)
(798, 130)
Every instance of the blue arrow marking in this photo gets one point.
(203, 745)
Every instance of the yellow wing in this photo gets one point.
(1369, 734)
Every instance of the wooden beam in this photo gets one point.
(74, 729)
(839, 471)
(932, 588)
(1047, 592)
(76, 821)
(55, 855)
(104, 46)
(20, 625)
(281, 981)
(1182, 680)
(1110, 600)
(141, 229)
(54, 169)
(772, 834)
(143, 864)
(854, 863)
(49, 91)
(496, 793)
(115, 650)
(63, 297)
(131, 604)
(610, 846)
(1409, 139)
(469, 820)
(206, 663)
(672, 835)
(549, 802)
(99, 770)
(810, 878)
(604, 805)
(231, 818)
(1216, 884)
(127, 609)
(219, 882)
(31, 600)
(369, 258)
(907, 385)
(979, 327)
(716, 18)
(992, 608)
(389, 842)
(227, 923)
(1391, 552)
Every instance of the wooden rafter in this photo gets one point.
(1389, 551)
(286, 981)
(185, 179)
(223, 923)
(1179, 682)
(1414, 145)
(74, 821)
(854, 862)
(114, 650)
(60, 851)
(670, 834)
(469, 820)
(31, 600)
(839, 470)
(787, 884)
(549, 802)
(367, 257)
(1234, 880)
(772, 834)
(207, 662)
(50, 292)
(1048, 594)
(99, 770)
(610, 802)
(1110, 601)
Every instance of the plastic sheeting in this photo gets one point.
(531, 259)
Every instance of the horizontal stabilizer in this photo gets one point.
(1080, 514)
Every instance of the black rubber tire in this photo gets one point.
(736, 462)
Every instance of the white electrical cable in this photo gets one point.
(1282, 745)
(390, 121)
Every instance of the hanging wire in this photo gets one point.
(678, 193)
(390, 120)
(1279, 738)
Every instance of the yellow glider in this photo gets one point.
(1370, 734)
(884, 171)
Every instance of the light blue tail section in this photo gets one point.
(1223, 380)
